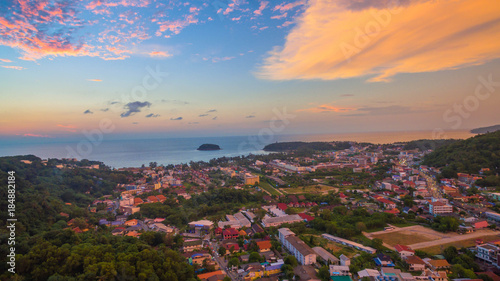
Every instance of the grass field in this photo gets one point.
(459, 244)
(310, 189)
(337, 248)
(394, 238)
(266, 186)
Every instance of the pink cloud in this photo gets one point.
(13, 67)
(328, 108)
(288, 6)
(5, 60)
(263, 5)
(159, 54)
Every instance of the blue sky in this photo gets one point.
(225, 67)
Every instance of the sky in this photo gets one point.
(145, 68)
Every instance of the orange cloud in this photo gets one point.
(159, 54)
(13, 67)
(327, 108)
(93, 80)
(68, 128)
(333, 41)
(5, 60)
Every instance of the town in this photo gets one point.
(366, 212)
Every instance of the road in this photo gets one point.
(432, 186)
(214, 247)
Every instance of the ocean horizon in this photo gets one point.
(136, 152)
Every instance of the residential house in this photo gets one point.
(339, 270)
(415, 263)
(404, 251)
(264, 246)
(439, 265)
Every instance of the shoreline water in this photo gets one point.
(135, 152)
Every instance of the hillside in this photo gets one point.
(484, 130)
(468, 156)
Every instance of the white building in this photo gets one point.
(303, 253)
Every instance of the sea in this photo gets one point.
(118, 153)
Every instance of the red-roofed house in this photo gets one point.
(138, 201)
(388, 204)
(282, 206)
(306, 217)
(404, 251)
(392, 211)
(480, 224)
(230, 233)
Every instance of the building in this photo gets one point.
(415, 263)
(349, 243)
(251, 179)
(264, 246)
(439, 265)
(488, 253)
(277, 221)
(326, 256)
(302, 252)
(339, 270)
(492, 216)
(368, 273)
(404, 251)
(191, 245)
(203, 224)
(437, 208)
(344, 260)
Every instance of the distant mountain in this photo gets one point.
(468, 156)
(299, 145)
(209, 146)
(484, 130)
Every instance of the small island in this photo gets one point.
(208, 146)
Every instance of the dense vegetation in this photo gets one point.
(299, 145)
(48, 250)
(484, 130)
(468, 156)
(426, 144)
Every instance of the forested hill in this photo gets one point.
(47, 249)
(468, 156)
(299, 145)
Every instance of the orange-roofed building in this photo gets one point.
(133, 234)
(152, 199)
(131, 222)
(138, 201)
(217, 274)
(161, 198)
(264, 246)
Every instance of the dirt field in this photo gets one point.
(402, 238)
(419, 237)
(434, 250)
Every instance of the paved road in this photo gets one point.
(478, 234)
(222, 264)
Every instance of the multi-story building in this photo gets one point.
(437, 208)
(488, 253)
(303, 253)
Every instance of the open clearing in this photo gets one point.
(319, 188)
(336, 248)
(419, 237)
(271, 190)
(434, 250)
